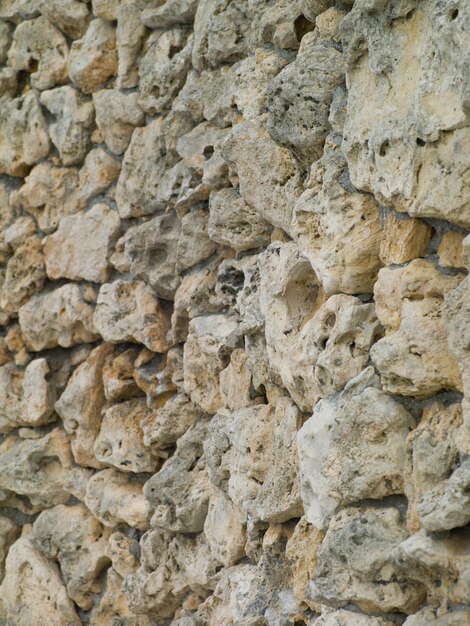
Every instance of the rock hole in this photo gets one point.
(384, 146)
(208, 152)
(302, 26)
(420, 141)
(453, 15)
(174, 50)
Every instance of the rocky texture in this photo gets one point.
(234, 346)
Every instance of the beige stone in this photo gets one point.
(224, 530)
(32, 590)
(98, 172)
(166, 424)
(24, 137)
(24, 276)
(119, 381)
(114, 499)
(71, 16)
(117, 114)
(129, 311)
(93, 58)
(122, 550)
(450, 251)
(71, 130)
(130, 32)
(9, 532)
(113, 606)
(61, 317)
(81, 246)
(403, 239)
(48, 194)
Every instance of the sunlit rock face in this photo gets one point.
(234, 313)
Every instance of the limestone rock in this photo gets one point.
(99, 171)
(41, 49)
(236, 387)
(114, 498)
(77, 541)
(352, 449)
(299, 99)
(117, 114)
(71, 16)
(130, 32)
(24, 276)
(120, 440)
(106, 9)
(70, 132)
(450, 250)
(32, 590)
(113, 607)
(432, 453)
(348, 618)
(35, 469)
(48, 194)
(26, 396)
(179, 492)
(5, 40)
(354, 564)
(119, 375)
(338, 229)
(93, 58)
(129, 311)
(123, 551)
(210, 341)
(409, 304)
(404, 239)
(416, 144)
(235, 223)
(224, 530)
(23, 131)
(80, 248)
(169, 13)
(268, 175)
(8, 534)
(163, 68)
(166, 424)
(61, 317)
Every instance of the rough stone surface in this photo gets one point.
(234, 313)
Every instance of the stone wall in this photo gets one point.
(235, 345)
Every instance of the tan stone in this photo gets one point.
(9, 532)
(122, 550)
(117, 114)
(98, 172)
(129, 311)
(81, 246)
(166, 424)
(224, 530)
(61, 317)
(130, 33)
(403, 239)
(71, 16)
(118, 375)
(113, 606)
(93, 58)
(450, 251)
(24, 275)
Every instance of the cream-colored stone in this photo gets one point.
(81, 246)
(24, 275)
(48, 194)
(117, 114)
(337, 229)
(119, 382)
(129, 311)
(71, 130)
(120, 440)
(114, 499)
(210, 341)
(166, 424)
(61, 317)
(236, 383)
(32, 591)
(71, 16)
(224, 530)
(130, 32)
(77, 541)
(123, 551)
(403, 239)
(98, 172)
(93, 58)
(24, 139)
(9, 532)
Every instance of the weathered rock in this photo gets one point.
(409, 305)
(129, 311)
(32, 590)
(23, 132)
(9, 532)
(48, 194)
(169, 13)
(80, 406)
(117, 114)
(120, 440)
(99, 171)
(352, 449)
(234, 223)
(210, 341)
(71, 16)
(26, 396)
(450, 250)
(39, 48)
(410, 154)
(5, 40)
(403, 239)
(24, 276)
(71, 131)
(93, 59)
(431, 452)
(268, 175)
(348, 618)
(354, 564)
(338, 229)
(114, 498)
(119, 375)
(166, 424)
(163, 68)
(179, 492)
(130, 33)
(35, 469)
(80, 248)
(106, 9)
(77, 541)
(61, 317)
(224, 530)
(299, 99)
